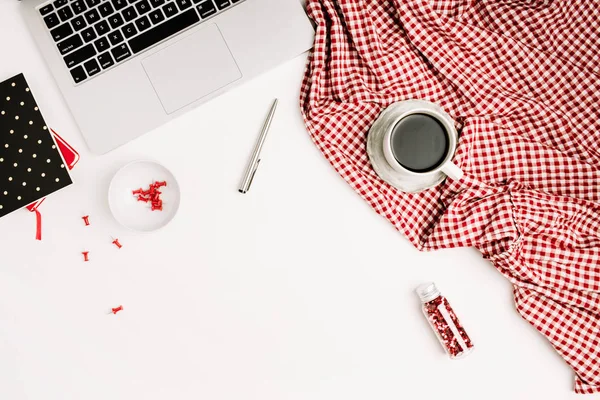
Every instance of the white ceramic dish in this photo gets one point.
(394, 173)
(137, 215)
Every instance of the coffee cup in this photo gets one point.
(419, 140)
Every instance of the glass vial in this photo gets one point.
(444, 322)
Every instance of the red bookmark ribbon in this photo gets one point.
(38, 224)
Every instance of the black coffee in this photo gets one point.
(419, 143)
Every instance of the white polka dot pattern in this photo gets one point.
(26, 144)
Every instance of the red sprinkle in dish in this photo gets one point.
(152, 195)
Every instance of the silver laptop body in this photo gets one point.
(124, 67)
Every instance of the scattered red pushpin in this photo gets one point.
(117, 309)
(116, 243)
(85, 255)
(86, 220)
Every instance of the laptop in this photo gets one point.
(127, 66)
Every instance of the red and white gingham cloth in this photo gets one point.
(521, 79)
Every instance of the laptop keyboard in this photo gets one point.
(95, 35)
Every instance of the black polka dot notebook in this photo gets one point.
(31, 166)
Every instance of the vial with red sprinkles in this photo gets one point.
(444, 321)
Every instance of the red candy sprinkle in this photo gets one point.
(86, 220)
(152, 195)
(117, 309)
(116, 243)
(85, 255)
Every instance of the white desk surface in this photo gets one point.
(297, 290)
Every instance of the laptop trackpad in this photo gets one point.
(191, 68)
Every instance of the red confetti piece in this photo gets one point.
(117, 309)
(86, 220)
(116, 243)
(85, 255)
(152, 195)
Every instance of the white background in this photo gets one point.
(297, 290)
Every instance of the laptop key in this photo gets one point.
(156, 17)
(92, 3)
(78, 6)
(65, 13)
(206, 9)
(92, 17)
(60, 3)
(105, 60)
(143, 7)
(88, 34)
(92, 67)
(115, 21)
(221, 4)
(61, 32)
(163, 31)
(157, 3)
(129, 30)
(115, 37)
(47, 9)
(79, 56)
(51, 20)
(102, 44)
(78, 74)
(184, 4)
(102, 28)
(119, 4)
(142, 23)
(106, 9)
(121, 52)
(70, 44)
(129, 14)
(170, 9)
(78, 23)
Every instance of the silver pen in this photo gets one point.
(255, 160)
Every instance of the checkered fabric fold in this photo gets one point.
(521, 80)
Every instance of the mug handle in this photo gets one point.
(452, 171)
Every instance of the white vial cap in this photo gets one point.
(427, 292)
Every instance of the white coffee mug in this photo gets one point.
(396, 112)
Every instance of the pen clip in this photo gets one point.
(253, 173)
